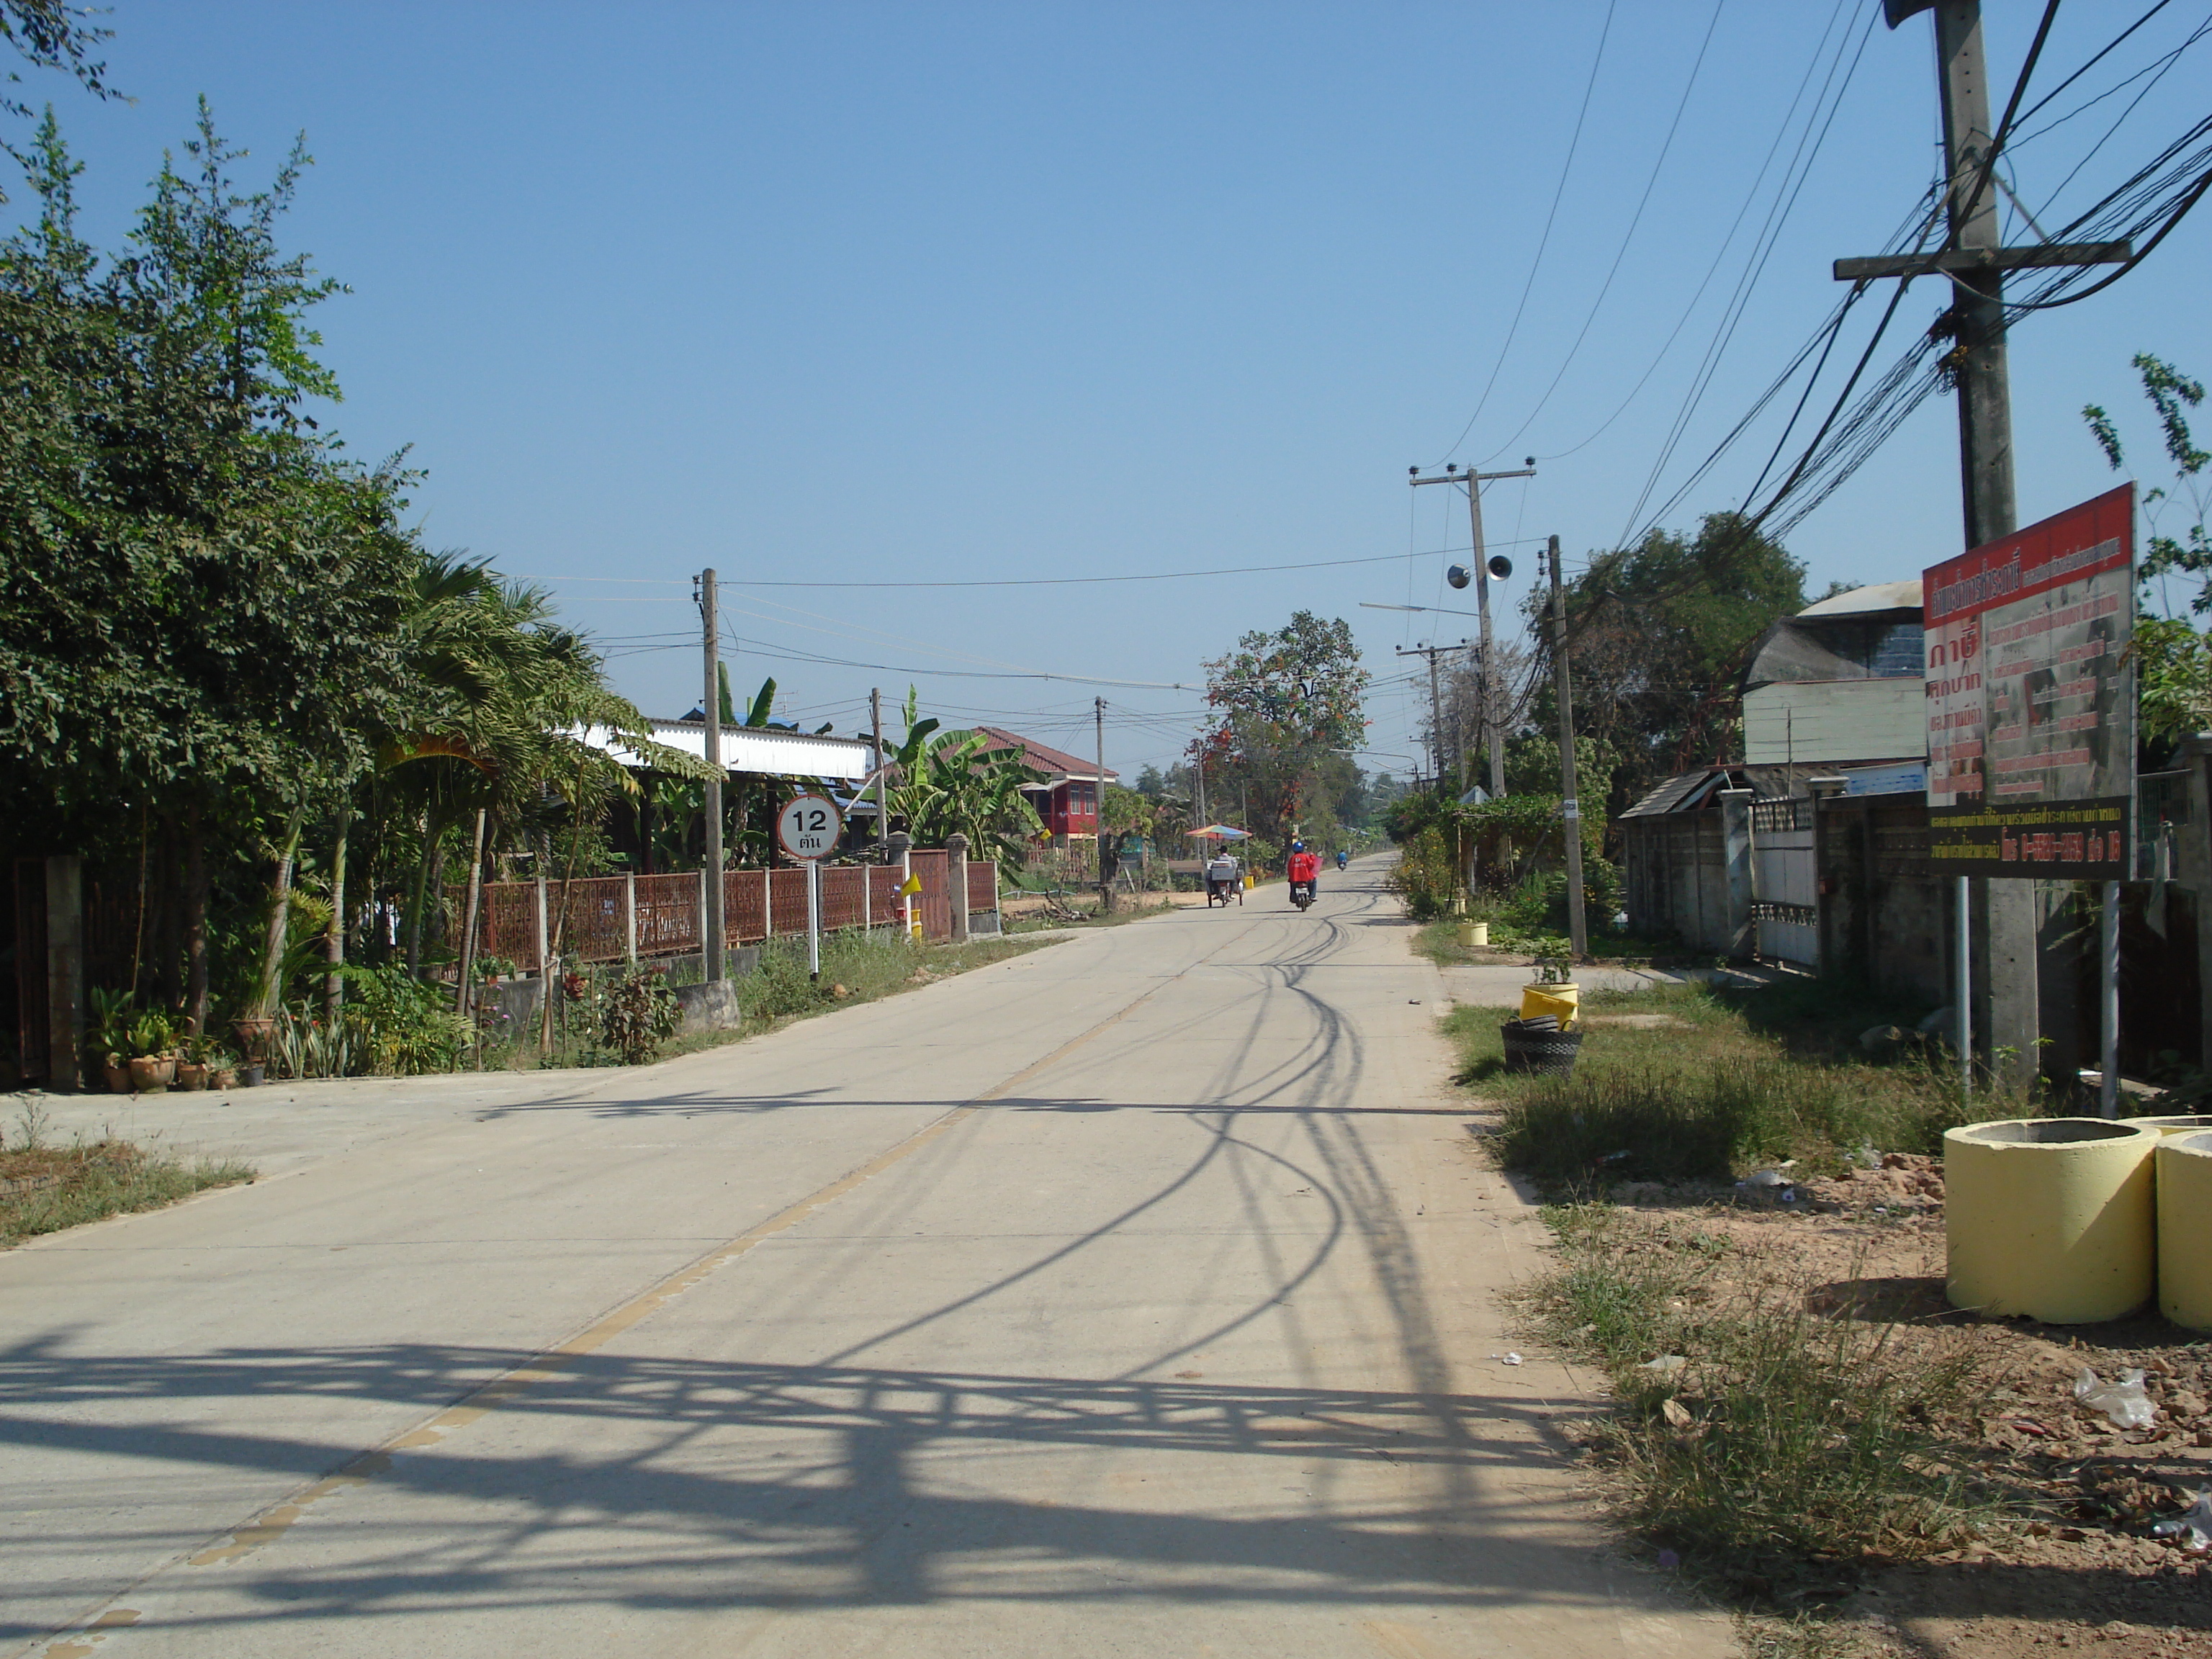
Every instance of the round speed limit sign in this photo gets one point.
(809, 827)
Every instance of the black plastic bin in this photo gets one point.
(1539, 1046)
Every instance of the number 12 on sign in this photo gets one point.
(809, 829)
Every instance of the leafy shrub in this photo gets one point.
(637, 1013)
(1425, 875)
(399, 1025)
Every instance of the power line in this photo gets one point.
(1626, 237)
(1543, 241)
(1003, 581)
(1769, 234)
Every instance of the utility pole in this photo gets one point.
(1098, 814)
(1489, 735)
(711, 706)
(876, 761)
(1571, 811)
(1435, 700)
(2002, 914)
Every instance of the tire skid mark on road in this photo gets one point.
(269, 1525)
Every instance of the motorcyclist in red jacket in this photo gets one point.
(1304, 870)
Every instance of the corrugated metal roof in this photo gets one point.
(1057, 762)
(1869, 601)
(1684, 792)
(763, 751)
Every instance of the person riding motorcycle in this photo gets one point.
(1221, 878)
(1304, 870)
(1343, 858)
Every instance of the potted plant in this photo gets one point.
(108, 1036)
(153, 1052)
(192, 1067)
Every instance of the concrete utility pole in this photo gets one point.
(1570, 807)
(876, 761)
(1098, 815)
(1491, 738)
(2001, 915)
(710, 944)
(1436, 702)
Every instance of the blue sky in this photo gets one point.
(872, 292)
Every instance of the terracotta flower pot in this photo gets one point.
(152, 1074)
(227, 1078)
(191, 1077)
(253, 1036)
(118, 1072)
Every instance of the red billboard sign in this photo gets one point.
(2030, 699)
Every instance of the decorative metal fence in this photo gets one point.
(600, 915)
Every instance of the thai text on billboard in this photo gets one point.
(2030, 698)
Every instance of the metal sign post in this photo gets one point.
(810, 829)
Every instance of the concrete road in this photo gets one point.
(1138, 1296)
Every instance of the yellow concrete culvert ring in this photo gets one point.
(2172, 1125)
(2184, 1230)
(2049, 1218)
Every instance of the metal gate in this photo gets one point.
(1787, 907)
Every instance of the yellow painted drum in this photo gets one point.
(1475, 935)
(1563, 1002)
(2051, 1217)
(2184, 1230)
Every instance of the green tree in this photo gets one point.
(200, 605)
(1282, 702)
(1657, 637)
(54, 35)
(2173, 660)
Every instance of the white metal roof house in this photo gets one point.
(1837, 690)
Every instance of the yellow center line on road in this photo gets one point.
(269, 1525)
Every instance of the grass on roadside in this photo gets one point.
(1127, 907)
(1710, 1083)
(856, 967)
(1768, 1437)
(1439, 942)
(44, 1188)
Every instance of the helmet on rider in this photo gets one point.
(1297, 847)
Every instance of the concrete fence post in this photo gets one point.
(955, 881)
(1736, 862)
(901, 847)
(64, 971)
(629, 917)
(543, 967)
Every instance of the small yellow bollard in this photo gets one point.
(2184, 1230)
(2051, 1217)
(1564, 1002)
(1475, 935)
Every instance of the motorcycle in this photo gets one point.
(1301, 893)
